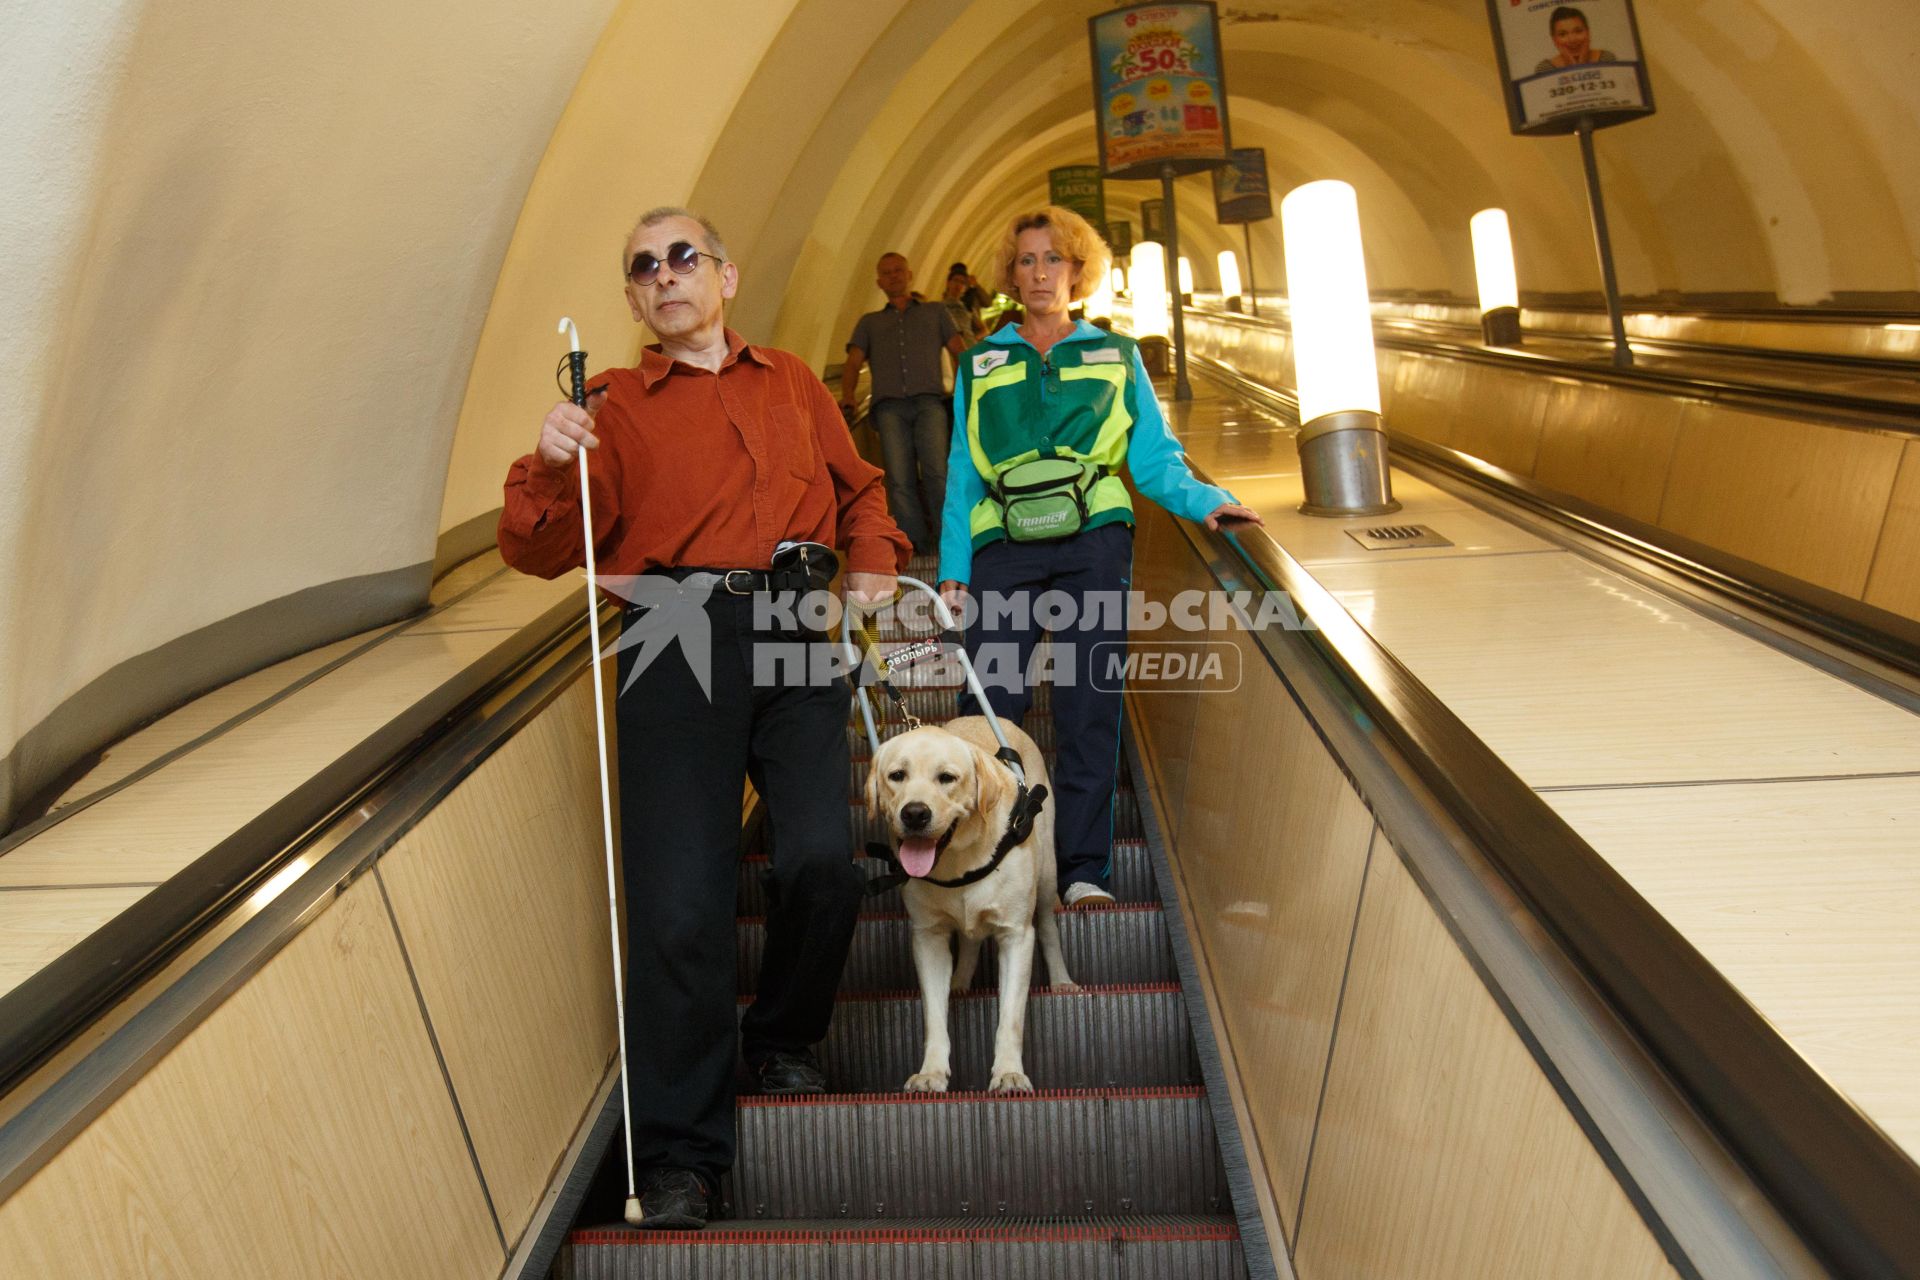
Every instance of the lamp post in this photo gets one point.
(1493, 270)
(1343, 445)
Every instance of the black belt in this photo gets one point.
(750, 582)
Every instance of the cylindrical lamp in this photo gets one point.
(1099, 303)
(1117, 279)
(1343, 446)
(1230, 279)
(1152, 308)
(1499, 285)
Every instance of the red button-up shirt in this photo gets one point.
(698, 469)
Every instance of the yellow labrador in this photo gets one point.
(946, 802)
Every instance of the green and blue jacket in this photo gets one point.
(1089, 398)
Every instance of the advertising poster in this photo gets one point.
(1153, 221)
(1240, 191)
(1159, 97)
(1563, 61)
(1079, 187)
(1120, 238)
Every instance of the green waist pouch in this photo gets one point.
(1046, 498)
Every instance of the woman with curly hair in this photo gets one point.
(1046, 413)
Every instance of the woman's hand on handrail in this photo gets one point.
(1229, 514)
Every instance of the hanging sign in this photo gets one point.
(1159, 95)
(1153, 221)
(1078, 187)
(1120, 238)
(1240, 192)
(1560, 62)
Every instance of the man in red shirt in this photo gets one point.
(708, 456)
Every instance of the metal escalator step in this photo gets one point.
(1100, 1037)
(1156, 1247)
(907, 1155)
(1132, 880)
(1105, 946)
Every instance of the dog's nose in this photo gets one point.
(915, 816)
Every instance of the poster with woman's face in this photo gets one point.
(1566, 60)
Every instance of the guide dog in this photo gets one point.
(949, 806)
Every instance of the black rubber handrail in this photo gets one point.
(52, 1006)
(1864, 412)
(1847, 1188)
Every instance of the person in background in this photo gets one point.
(708, 457)
(960, 308)
(1049, 397)
(903, 341)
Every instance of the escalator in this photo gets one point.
(1112, 1167)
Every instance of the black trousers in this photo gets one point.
(1093, 569)
(683, 761)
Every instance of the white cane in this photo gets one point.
(577, 361)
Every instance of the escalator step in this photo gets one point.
(1105, 946)
(1136, 1248)
(911, 1155)
(1132, 880)
(1101, 1037)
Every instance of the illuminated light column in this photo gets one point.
(1230, 279)
(1343, 446)
(1152, 308)
(1117, 279)
(1099, 303)
(1186, 282)
(1499, 286)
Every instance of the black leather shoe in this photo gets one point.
(672, 1200)
(783, 1073)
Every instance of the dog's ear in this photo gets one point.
(873, 786)
(993, 781)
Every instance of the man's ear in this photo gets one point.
(729, 279)
(994, 780)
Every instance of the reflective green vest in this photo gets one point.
(1075, 402)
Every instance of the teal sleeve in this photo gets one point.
(1155, 460)
(965, 488)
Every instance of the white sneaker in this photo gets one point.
(1085, 891)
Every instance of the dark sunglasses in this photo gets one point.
(681, 257)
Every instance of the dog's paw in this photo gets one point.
(1066, 986)
(927, 1082)
(1010, 1082)
(959, 987)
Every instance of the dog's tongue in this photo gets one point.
(918, 854)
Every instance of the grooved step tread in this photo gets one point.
(1132, 880)
(1103, 946)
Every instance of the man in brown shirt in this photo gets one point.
(706, 458)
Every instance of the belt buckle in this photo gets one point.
(726, 580)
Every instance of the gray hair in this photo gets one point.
(708, 232)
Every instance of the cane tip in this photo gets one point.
(634, 1215)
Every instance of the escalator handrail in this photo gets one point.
(53, 1006)
(1886, 639)
(1858, 412)
(1843, 1184)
